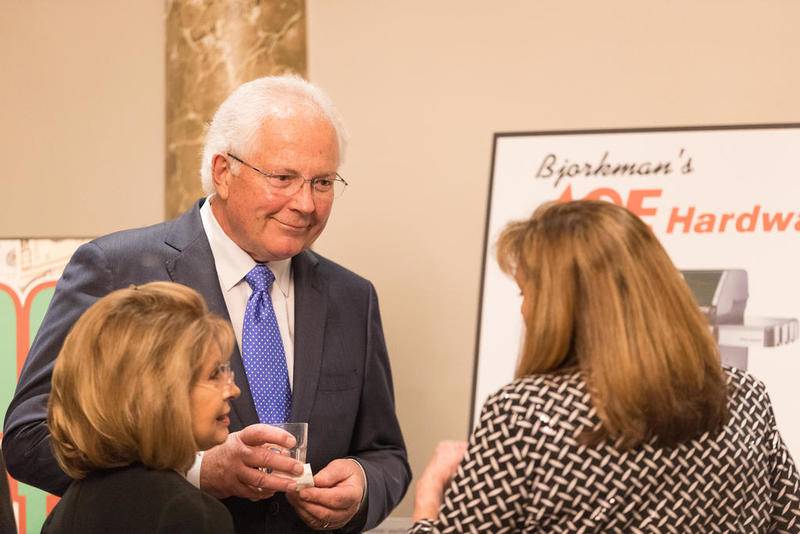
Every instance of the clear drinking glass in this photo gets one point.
(298, 452)
(300, 433)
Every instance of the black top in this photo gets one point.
(136, 499)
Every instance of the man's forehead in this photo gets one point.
(293, 106)
(299, 117)
(303, 134)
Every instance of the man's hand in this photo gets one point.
(335, 499)
(233, 468)
(434, 480)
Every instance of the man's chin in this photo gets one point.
(278, 253)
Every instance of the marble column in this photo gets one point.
(212, 46)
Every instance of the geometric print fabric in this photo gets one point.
(263, 355)
(524, 470)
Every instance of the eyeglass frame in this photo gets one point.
(224, 377)
(312, 181)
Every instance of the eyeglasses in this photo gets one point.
(221, 377)
(330, 186)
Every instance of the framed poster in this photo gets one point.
(723, 200)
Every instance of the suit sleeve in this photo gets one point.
(26, 438)
(377, 442)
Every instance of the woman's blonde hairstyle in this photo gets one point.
(122, 381)
(603, 296)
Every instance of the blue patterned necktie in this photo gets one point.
(262, 351)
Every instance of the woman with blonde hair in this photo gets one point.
(621, 418)
(142, 383)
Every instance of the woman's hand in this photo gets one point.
(434, 480)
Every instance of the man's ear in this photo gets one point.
(221, 175)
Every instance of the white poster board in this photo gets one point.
(718, 198)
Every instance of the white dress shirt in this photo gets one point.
(232, 264)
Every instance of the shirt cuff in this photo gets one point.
(193, 474)
(363, 477)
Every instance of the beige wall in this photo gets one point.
(82, 113)
(424, 85)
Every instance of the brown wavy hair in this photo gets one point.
(122, 381)
(604, 297)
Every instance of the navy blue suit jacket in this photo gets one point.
(342, 380)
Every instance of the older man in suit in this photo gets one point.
(310, 341)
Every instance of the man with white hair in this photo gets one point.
(310, 341)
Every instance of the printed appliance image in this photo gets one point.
(722, 297)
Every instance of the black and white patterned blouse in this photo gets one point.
(525, 472)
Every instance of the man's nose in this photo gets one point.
(303, 200)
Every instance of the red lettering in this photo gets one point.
(781, 220)
(605, 193)
(705, 223)
(676, 218)
(566, 196)
(636, 201)
(723, 221)
(746, 222)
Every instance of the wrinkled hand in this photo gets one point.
(334, 500)
(232, 469)
(434, 480)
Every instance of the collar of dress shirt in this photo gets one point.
(233, 263)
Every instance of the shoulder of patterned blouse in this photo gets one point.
(538, 390)
(745, 389)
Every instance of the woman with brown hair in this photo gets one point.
(141, 384)
(621, 418)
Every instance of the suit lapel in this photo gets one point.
(193, 266)
(311, 305)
